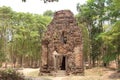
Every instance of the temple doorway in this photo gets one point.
(63, 64)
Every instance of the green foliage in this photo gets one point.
(2, 56)
(91, 15)
(48, 13)
(45, 1)
(10, 74)
(86, 41)
(105, 41)
(110, 54)
(111, 39)
(21, 34)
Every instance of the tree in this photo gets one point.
(5, 21)
(112, 41)
(112, 33)
(28, 38)
(91, 14)
(48, 13)
(94, 14)
(44, 1)
(20, 36)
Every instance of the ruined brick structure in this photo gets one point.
(62, 45)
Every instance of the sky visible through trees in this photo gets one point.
(39, 6)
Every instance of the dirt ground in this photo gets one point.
(90, 74)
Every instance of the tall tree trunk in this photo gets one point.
(31, 62)
(14, 61)
(89, 62)
(21, 61)
(118, 51)
(118, 63)
(93, 62)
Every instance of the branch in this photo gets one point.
(45, 1)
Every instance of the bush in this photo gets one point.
(11, 74)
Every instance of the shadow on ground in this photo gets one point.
(115, 75)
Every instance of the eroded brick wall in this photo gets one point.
(63, 36)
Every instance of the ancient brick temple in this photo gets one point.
(62, 48)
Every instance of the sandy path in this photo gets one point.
(104, 75)
(26, 71)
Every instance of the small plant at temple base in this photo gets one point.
(11, 74)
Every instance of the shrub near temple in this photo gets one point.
(11, 74)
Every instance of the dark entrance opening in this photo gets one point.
(63, 63)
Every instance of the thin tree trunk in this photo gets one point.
(118, 63)
(93, 62)
(89, 62)
(21, 61)
(14, 61)
(118, 50)
(31, 61)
